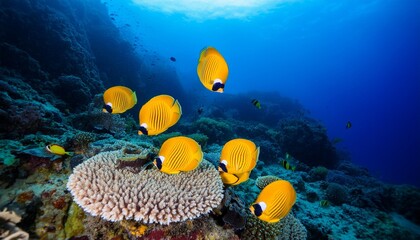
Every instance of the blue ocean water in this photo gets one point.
(356, 61)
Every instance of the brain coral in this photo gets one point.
(288, 228)
(149, 196)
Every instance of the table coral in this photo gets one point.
(149, 196)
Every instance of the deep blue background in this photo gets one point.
(353, 60)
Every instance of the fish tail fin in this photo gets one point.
(134, 96)
(257, 153)
(177, 107)
(177, 112)
(69, 153)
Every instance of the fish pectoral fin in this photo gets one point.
(229, 179)
(243, 177)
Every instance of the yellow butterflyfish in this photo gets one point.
(119, 99)
(159, 114)
(212, 70)
(179, 154)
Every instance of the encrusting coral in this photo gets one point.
(149, 196)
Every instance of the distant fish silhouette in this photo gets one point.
(256, 103)
(348, 125)
(286, 165)
(173, 59)
(324, 203)
(200, 110)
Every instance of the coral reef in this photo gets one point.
(80, 141)
(100, 122)
(318, 173)
(149, 196)
(24, 111)
(56, 57)
(217, 131)
(263, 181)
(288, 228)
(336, 194)
(8, 228)
(307, 141)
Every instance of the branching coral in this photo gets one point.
(149, 196)
(8, 228)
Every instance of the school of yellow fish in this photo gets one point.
(181, 154)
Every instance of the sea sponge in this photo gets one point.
(263, 181)
(149, 196)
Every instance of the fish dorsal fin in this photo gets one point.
(166, 99)
(212, 50)
(202, 53)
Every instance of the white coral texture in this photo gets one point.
(149, 196)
